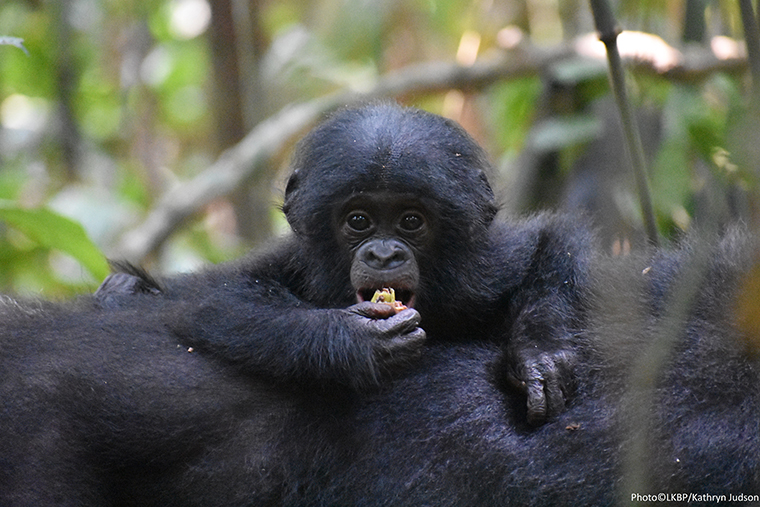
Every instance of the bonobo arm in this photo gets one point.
(259, 325)
(550, 263)
(267, 332)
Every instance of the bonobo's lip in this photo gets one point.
(406, 296)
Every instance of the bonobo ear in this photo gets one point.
(491, 206)
(486, 207)
(291, 191)
(291, 187)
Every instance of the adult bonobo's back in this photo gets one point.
(384, 196)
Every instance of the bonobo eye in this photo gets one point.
(358, 221)
(412, 221)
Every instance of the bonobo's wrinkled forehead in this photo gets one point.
(389, 148)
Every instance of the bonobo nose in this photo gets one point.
(384, 254)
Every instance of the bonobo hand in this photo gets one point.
(132, 280)
(546, 377)
(395, 338)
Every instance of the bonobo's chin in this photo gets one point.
(403, 294)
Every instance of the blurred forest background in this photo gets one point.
(159, 131)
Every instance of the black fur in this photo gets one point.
(238, 386)
(127, 279)
(290, 313)
(93, 415)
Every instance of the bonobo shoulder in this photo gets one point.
(566, 239)
(561, 228)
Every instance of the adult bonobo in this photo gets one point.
(106, 407)
(384, 196)
(103, 408)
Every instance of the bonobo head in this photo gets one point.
(388, 197)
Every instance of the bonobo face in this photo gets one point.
(385, 233)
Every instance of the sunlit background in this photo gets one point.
(119, 102)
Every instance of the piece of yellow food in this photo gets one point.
(387, 296)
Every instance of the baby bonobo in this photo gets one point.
(385, 197)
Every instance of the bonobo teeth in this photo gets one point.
(406, 296)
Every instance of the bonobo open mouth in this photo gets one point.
(406, 296)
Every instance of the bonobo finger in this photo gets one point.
(400, 350)
(415, 338)
(555, 398)
(409, 318)
(402, 323)
(372, 310)
(534, 388)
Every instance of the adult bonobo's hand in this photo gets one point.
(396, 338)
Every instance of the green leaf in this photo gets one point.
(513, 110)
(52, 230)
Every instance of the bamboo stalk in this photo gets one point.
(608, 32)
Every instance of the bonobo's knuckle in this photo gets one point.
(410, 340)
(404, 321)
(414, 338)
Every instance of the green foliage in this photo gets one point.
(696, 122)
(97, 105)
(141, 107)
(512, 114)
(30, 74)
(47, 229)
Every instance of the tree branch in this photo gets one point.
(751, 39)
(244, 162)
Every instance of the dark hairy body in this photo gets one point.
(109, 420)
(273, 381)
(383, 196)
